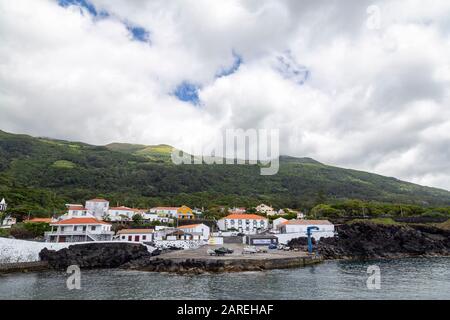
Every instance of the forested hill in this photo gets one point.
(43, 174)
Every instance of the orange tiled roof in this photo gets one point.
(45, 220)
(76, 207)
(244, 216)
(80, 221)
(188, 226)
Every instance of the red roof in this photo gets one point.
(188, 226)
(76, 207)
(45, 220)
(165, 208)
(80, 221)
(244, 216)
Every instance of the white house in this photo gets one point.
(121, 213)
(171, 212)
(135, 235)
(8, 222)
(300, 215)
(299, 228)
(277, 222)
(79, 230)
(201, 230)
(265, 209)
(97, 207)
(76, 211)
(239, 210)
(243, 223)
(150, 217)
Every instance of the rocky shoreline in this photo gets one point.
(365, 240)
(357, 241)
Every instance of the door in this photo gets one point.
(136, 238)
(62, 238)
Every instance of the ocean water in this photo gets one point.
(409, 278)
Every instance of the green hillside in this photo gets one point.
(41, 174)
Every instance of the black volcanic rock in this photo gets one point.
(368, 240)
(94, 255)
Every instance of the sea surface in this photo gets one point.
(409, 278)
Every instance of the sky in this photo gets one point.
(357, 84)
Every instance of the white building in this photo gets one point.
(277, 222)
(201, 230)
(79, 230)
(76, 211)
(8, 222)
(171, 212)
(151, 217)
(135, 235)
(239, 210)
(300, 215)
(265, 209)
(97, 207)
(299, 228)
(243, 223)
(121, 213)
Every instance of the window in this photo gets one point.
(130, 238)
(123, 237)
(62, 228)
(93, 228)
(144, 237)
(84, 228)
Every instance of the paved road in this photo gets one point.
(201, 253)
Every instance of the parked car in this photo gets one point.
(249, 250)
(273, 246)
(223, 251)
(211, 252)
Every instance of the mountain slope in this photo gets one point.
(38, 173)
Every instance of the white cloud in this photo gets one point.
(375, 100)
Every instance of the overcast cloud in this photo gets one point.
(341, 89)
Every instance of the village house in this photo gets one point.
(152, 217)
(239, 210)
(265, 209)
(201, 230)
(8, 222)
(135, 235)
(277, 222)
(79, 230)
(121, 213)
(185, 213)
(326, 228)
(169, 212)
(97, 207)
(243, 223)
